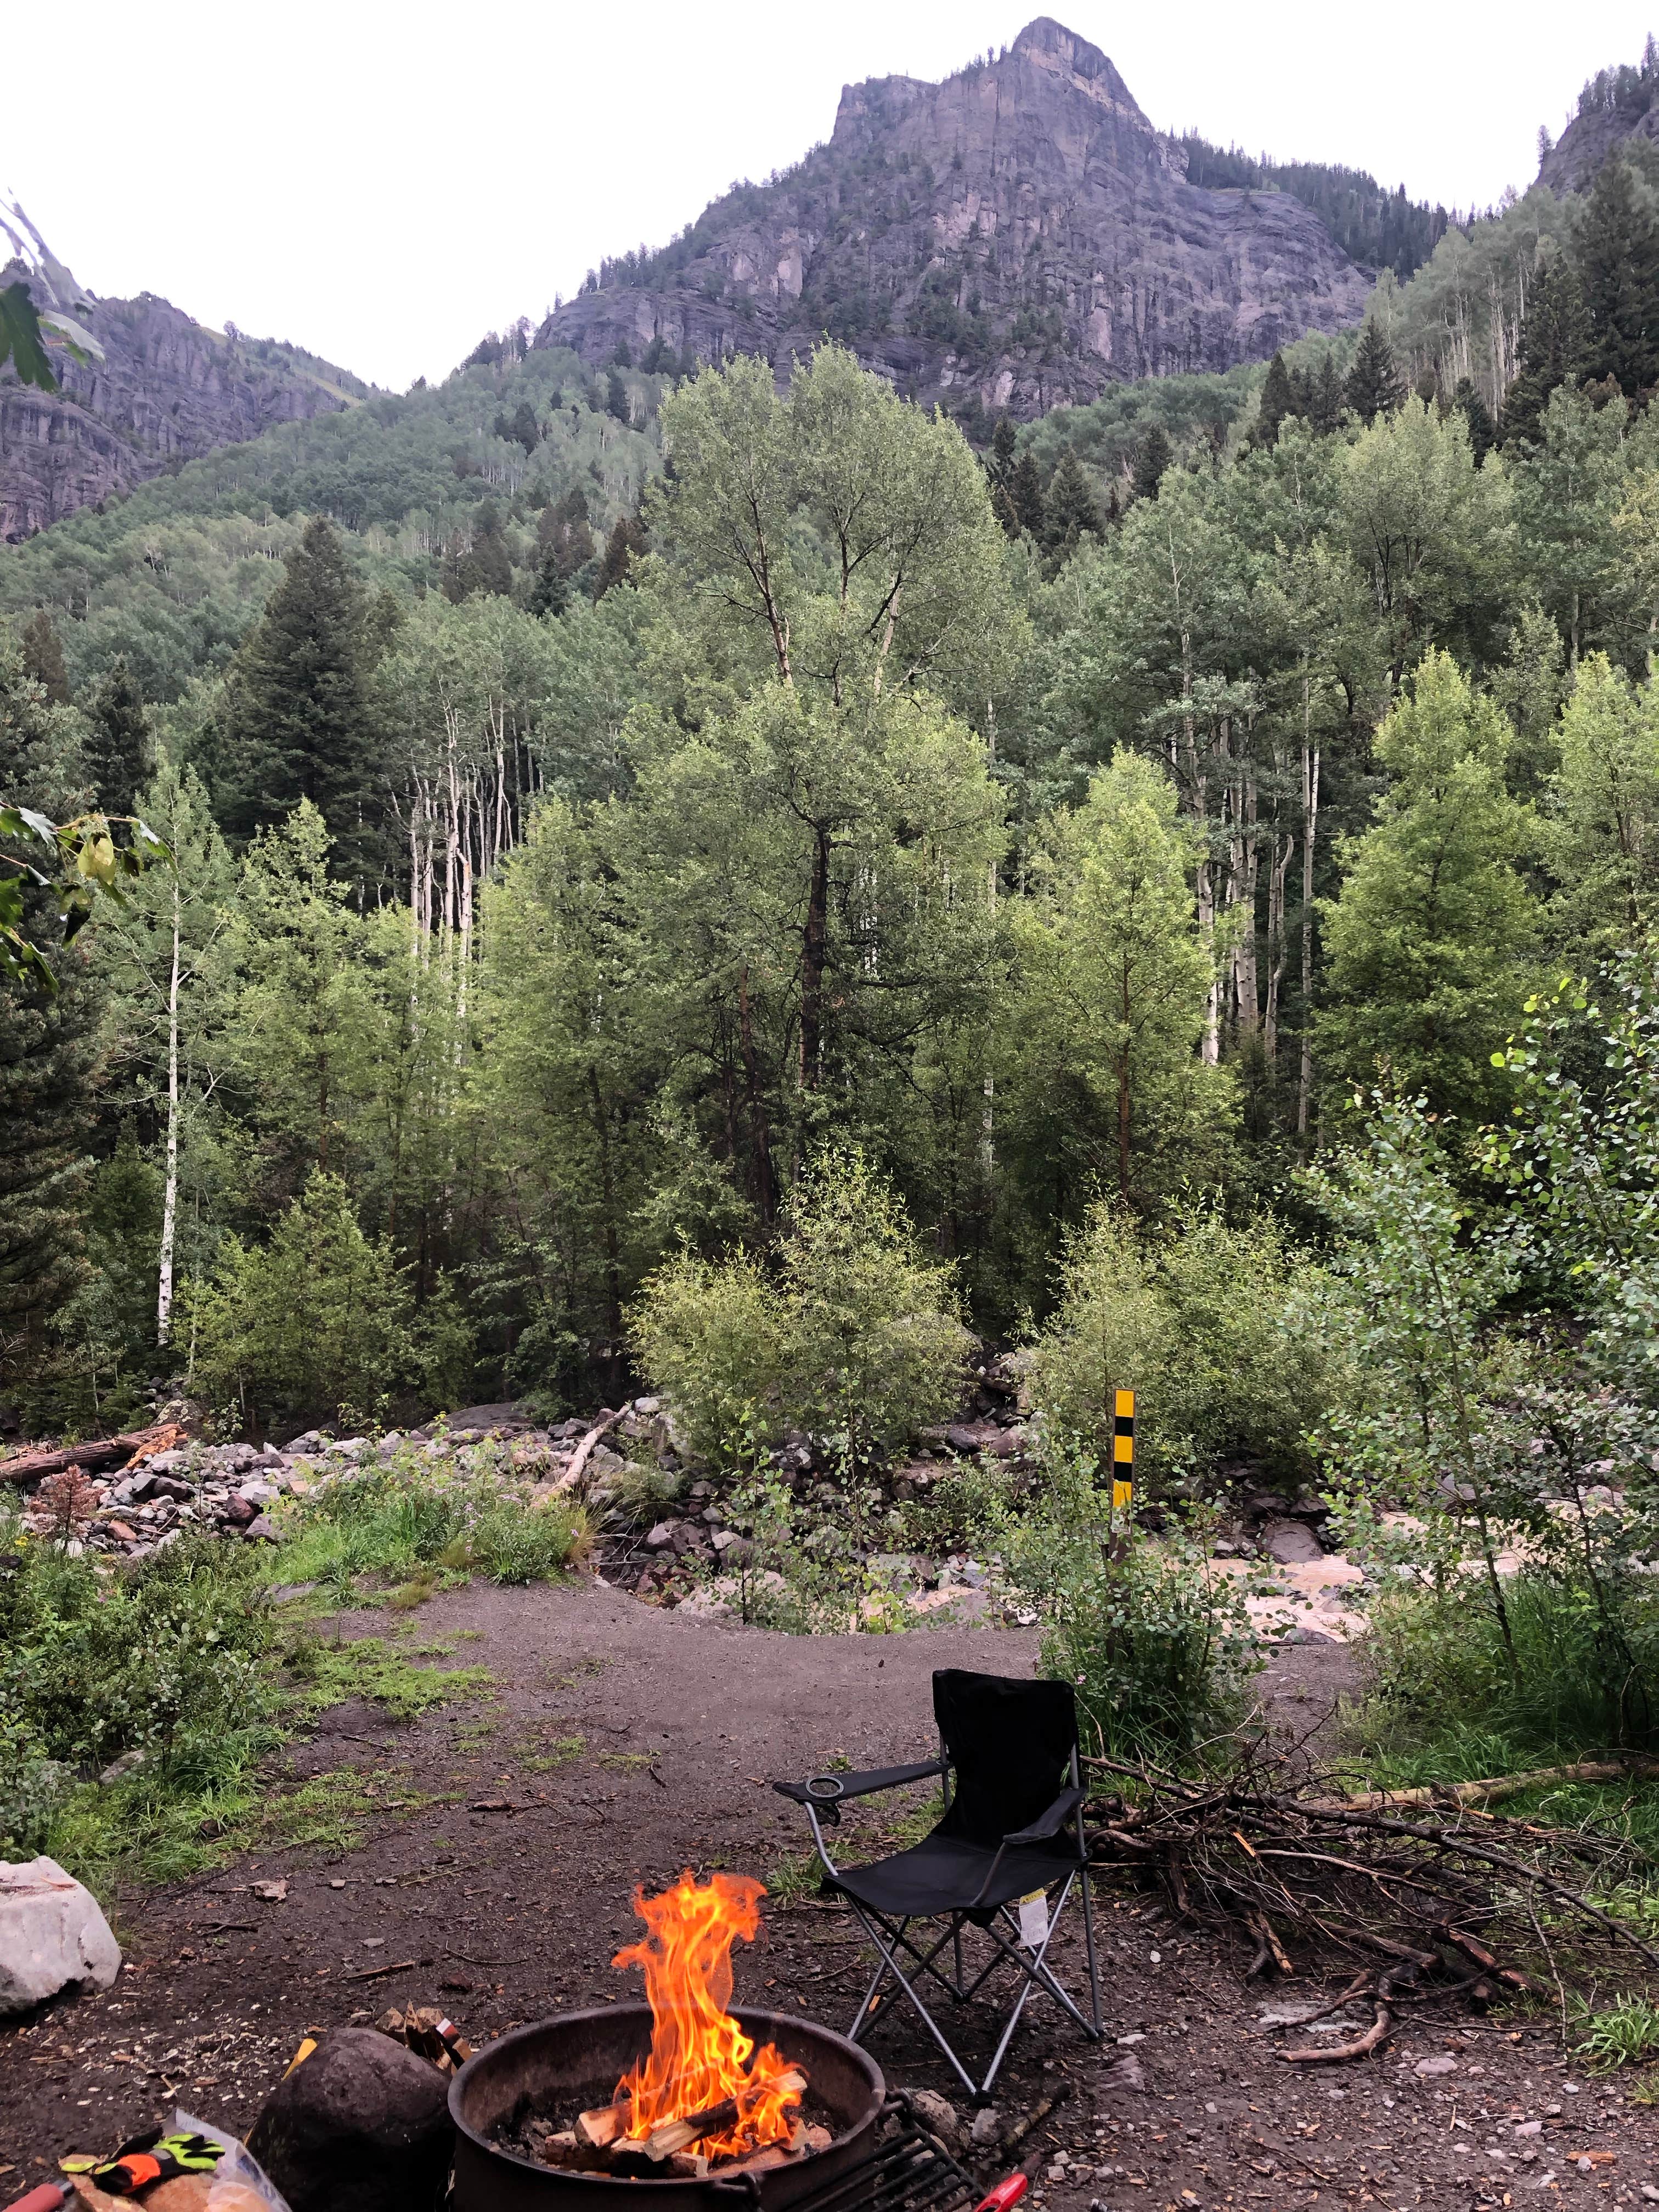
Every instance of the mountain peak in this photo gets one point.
(1017, 236)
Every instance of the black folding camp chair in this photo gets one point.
(1011, 1835)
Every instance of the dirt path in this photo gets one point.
(503, 1841)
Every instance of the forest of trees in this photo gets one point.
(567, 850)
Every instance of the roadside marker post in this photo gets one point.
(1123, 1449)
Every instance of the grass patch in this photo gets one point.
(1624, 2034)
(628, 1762)
(367, 1666)
(557, 1753)
(793, 1879)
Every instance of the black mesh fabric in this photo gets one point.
(944, 1874)
(1011, 1743)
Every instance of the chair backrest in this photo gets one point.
(1011, 1744)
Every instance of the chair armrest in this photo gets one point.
(823, 1790)
(1050, 1823)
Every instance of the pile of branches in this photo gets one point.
(1426, 1892)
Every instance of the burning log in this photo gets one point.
(678, 2135)
(599, 2128)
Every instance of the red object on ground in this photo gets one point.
(1005, 2194)
(50, 2197)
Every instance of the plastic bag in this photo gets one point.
(238, 2182)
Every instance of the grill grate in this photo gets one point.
(909, 2171)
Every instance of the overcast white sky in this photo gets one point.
(384, 183)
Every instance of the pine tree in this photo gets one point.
(1325, 401)
(1279, 400)
(1483, 431)
(301, 722)
(1618, 270)
(1071, 509)
(119, 754)
(47, 1049)
(1024, 490)
(626, 544)
(1001, 466)
(617, 401)
(43, 657)
(1153, 457)
(1374, 385)
(1554, 339)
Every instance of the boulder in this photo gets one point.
(362, 2126)
(52, 1936)
(1290, 1542)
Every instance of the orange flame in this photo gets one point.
(699, 2055)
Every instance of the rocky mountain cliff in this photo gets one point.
(1014, 237)
(166, 390)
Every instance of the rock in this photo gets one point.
(1157, 274)
(269, 1892)
(118, 1768)
(647, 1405)
(362, 2126)
(1290, 1542)
(239, 1509)
(986, 2130)
(1125, 2073)
(52, 1936)
(936, 2112)
(262, 1529)
(1442, 2062)
(660, 1537)
(259, 1492)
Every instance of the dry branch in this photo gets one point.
(1333, 2053)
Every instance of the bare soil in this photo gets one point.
(496, 1881)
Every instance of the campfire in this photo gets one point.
(705, 2096)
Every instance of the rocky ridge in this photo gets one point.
(167, 390)
(1019, 236)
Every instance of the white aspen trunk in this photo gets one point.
(1310, 834)
(1248, 1013)
(1279, 871)
(170, 1194)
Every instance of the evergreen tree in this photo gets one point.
(1153, 456)
(43, 657)
(480, 563)
(301, 721)
(1001, 466)
(1554, 340)
(1374, 385)
(1279, 398)
(1321, 395)
(1483, 431)
(626, 544)
(617, 401)
(1618, 270)
(119, 753)
(47, 1049)
(1071, 509)
(1024, 495)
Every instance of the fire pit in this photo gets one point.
(681, 2098)
(558, 2061)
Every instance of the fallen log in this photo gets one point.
(571, 1479)
(98, 1452)
(1491, 1792)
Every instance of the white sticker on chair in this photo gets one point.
(1033, 1919)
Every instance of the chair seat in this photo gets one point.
(943, 1874)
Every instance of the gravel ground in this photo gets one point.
(622, 1742)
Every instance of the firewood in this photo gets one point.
(599, 2128)
(671, 2136)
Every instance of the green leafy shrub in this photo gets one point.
(1155, 1638)
(1206, 1323)
(847, 1331)
(162, 1659)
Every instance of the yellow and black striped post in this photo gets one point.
(1123, 1449)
